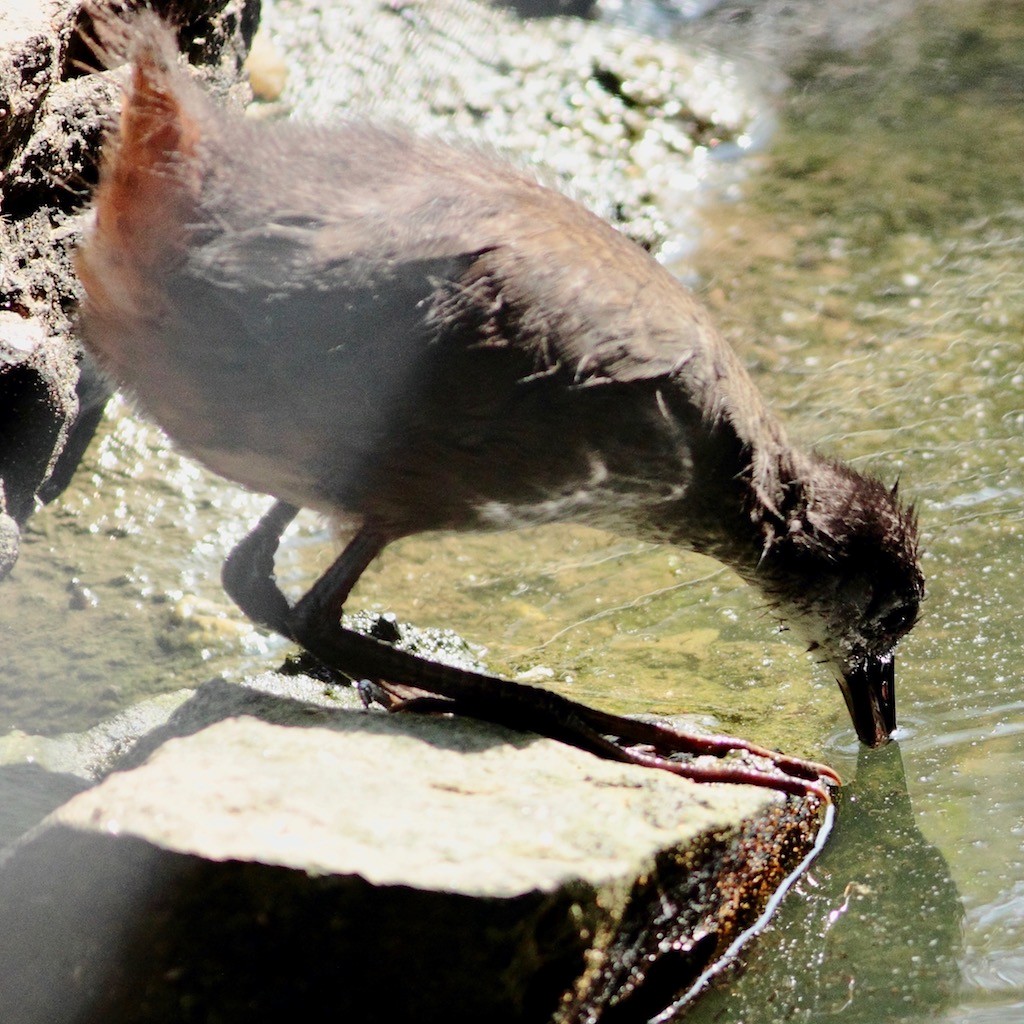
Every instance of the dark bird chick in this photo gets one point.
(408, 336)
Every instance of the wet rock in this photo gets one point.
(9, 537)
(28, 793)
(38, 372)
(52, 116)
(390, 867)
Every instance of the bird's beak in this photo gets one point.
(869, 687)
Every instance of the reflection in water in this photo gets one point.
(876, 934)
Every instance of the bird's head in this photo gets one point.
(842, 569)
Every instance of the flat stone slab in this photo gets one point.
(390, 867)
(367, 796)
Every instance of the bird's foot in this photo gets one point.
(701, 758)
(739, 767)
(667, 741)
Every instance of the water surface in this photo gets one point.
(878, 253)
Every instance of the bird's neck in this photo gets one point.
(745, 478)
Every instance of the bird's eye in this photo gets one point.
(892, 614)
(897, 620)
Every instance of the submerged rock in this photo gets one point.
(391, 867)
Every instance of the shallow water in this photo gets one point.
(881, 253)
(870, 271)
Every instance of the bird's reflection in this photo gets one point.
(873, 933)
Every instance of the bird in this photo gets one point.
(408, 335)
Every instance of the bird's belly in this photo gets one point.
(285, 479)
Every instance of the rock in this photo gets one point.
(52, 117)
(38, 372)
(390, 867)
(9, 538)
(788, 35)
(28, 793)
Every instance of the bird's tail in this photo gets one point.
(149, 173)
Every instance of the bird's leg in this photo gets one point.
(315, 624)
(667, 740)
(537, 710)
(248, 573)
(248, 578)
(320, 608)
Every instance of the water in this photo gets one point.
(870, 272)
(880, 250)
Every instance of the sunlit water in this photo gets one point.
(871, 275)
(881, 255)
